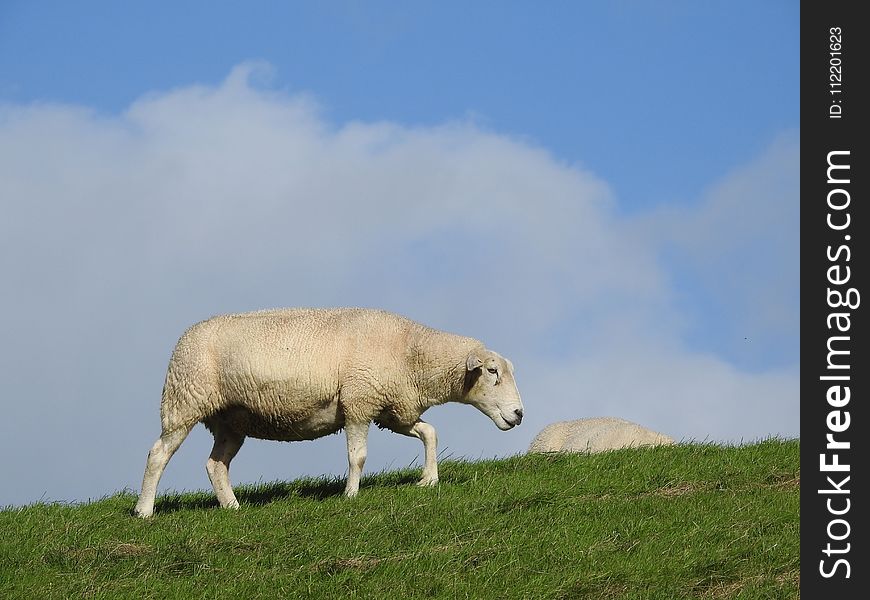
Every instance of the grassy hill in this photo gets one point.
(690, 521)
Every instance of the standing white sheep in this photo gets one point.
(299, 374)
(595, 435)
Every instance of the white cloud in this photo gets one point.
(119, 231)
(740, 245)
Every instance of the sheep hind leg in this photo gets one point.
(426, 434)
(158, 457)
(226, 445)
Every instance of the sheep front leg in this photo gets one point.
(425, 433)
(226, 446)
(357, 437)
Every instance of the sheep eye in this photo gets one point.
(492, 370)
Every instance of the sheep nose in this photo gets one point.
(519, 413)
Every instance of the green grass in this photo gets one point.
(688, 521)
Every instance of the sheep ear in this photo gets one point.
(473, 362)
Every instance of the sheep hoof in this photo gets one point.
(428, 482)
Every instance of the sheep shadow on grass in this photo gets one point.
(266, 493)
(316, 489)
(171, 503)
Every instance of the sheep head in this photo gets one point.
(489, 386)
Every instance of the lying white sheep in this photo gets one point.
(299, 374)
(595, 435)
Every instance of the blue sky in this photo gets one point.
(606, 192)
(658, 98)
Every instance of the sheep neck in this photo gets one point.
(439, 360)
